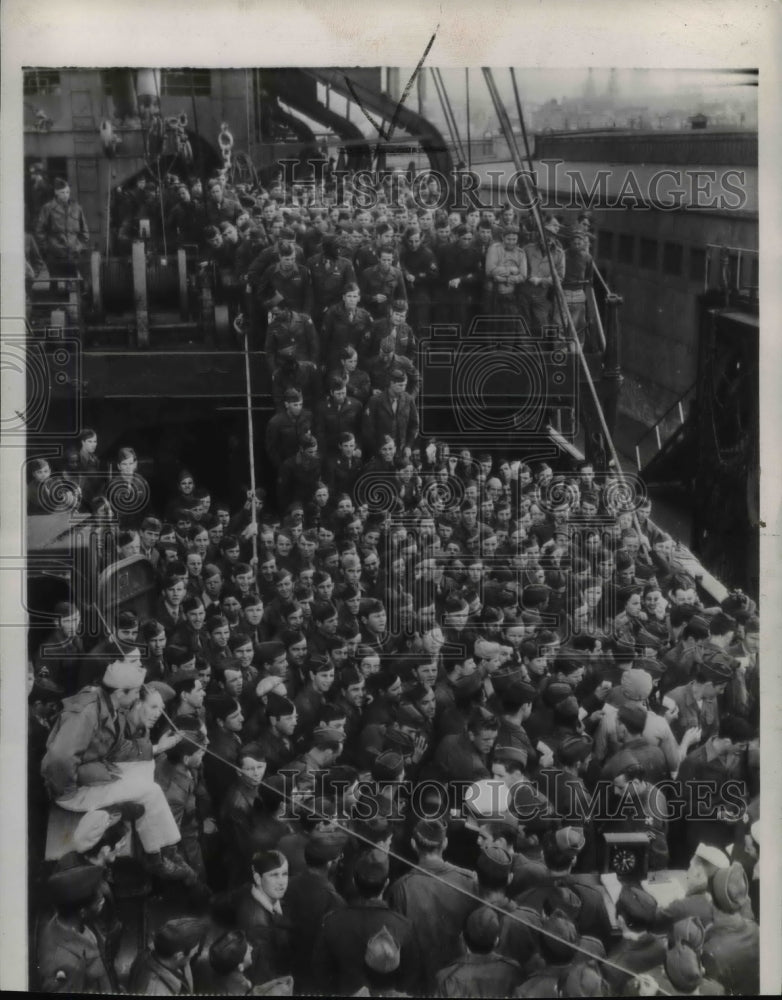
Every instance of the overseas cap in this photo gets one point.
(729, 888)
(574, 748)
(570, 839)
(327, 735)
(637, 907)
(121, 675)
(74, 881)
(683, 967)
(387, 766)
(324, 845)
(494, 861)
(689, 930)
(636, 684)
(166, 692)
(712, 855)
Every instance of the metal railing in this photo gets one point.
(723, 268)
(670, 423)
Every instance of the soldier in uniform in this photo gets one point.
(395, 327)
(165, 969)
(295, 374)
(286, 281)
(70, 958)
(285, 430)
(332, 275)
(393, 412)
(419, 267)
(337, 415)
(380, 366)
(482, 971)
(382, 284)
(62, 233)
(461, 272)
(223, 973)
(536, 290)
(506, 270)
(434, 902)
(341, 945)
(78, 767)
(60, 656)
(289, 328)
(345, 324)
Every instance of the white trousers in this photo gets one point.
(157, 827)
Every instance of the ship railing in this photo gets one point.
(731, 269)
(593, 311)
(669, 424)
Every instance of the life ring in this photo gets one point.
(225, 141)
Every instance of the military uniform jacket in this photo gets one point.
(359, 386)
(308, 703)
(60, 659)
(702, 766)
(342, 473)
(298, 332)
(69, 960)
(278, 750)
(706, 987)
(283, 434)
(380, 419)
(329, 278)
(479, 976)
(332, 419)
(458, 760)
(377, 281)
(706, 716)
(295, 287)
(380, 372)
(207, 982)
(178, 784)
(731, 953)
(84, 737)
(218, 775)
(404, 339)
(149, 977)
(61, 230)
(436, 908)
(304, 377)
(309, 898)
(340, 329)
(461, 262)
(338, 959)
(537, 261)
(502, 264)
(422, 265)
(637, 749)
(236, 822)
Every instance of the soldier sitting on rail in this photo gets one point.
(79, 767)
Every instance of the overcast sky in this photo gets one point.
(634, 84)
